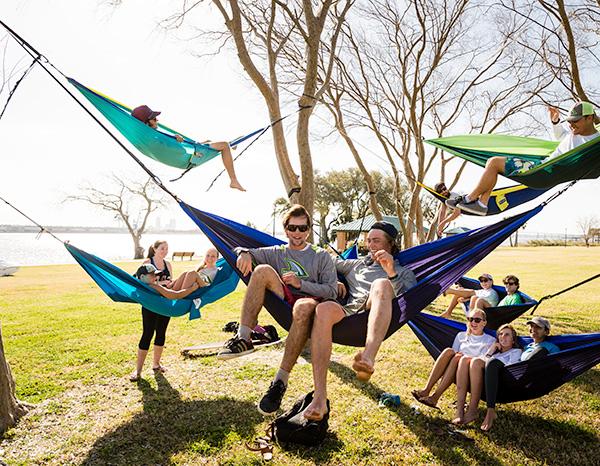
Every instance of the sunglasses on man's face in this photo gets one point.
(475, 319)
(510, 283)
(301, 228)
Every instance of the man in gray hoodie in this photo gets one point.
(373, 282)
(300, 273)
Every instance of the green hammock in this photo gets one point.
(583, 162)
(159, 145)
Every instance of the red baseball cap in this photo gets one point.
(144, 113)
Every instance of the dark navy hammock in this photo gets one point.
(122, 287)
(499, 315)
(437, 265)
(524, 380)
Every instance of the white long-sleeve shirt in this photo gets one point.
(568, 140)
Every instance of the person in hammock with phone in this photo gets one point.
(581, 120)
(149, 117)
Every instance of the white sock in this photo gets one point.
(482, 204)
(245, 332)
(282, 375)
(466, 199)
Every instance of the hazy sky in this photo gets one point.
(49, 147)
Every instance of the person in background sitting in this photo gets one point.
(149, 117)
(513, 297)
(482, 298)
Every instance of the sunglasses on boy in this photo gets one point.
(484, 280)
(510, 283)
(475, 319)
(300, 228)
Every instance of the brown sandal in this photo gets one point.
(262, 445)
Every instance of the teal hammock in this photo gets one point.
(123, 287)
(583, 162)
(160, 145)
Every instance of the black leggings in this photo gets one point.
(153, 322)
(492, 375)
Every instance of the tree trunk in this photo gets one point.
(138, 250)
(10, 408)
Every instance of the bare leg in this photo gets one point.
(476, 377)
(479, 303)
(303, 312)
(493, 168)
(447, 380)
(456, 293)
(228, 163)
(264, 277)
(327, 315)
(462, 386)
(139, 365)
(156, 355)
(380, 304)
(441, 363)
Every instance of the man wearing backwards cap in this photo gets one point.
(149, 117)
(372, 284)
(580, 130)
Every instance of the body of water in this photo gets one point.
(26, 249)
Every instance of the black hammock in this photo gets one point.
(436, 265)
(524, 380)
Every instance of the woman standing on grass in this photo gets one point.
(153, 323)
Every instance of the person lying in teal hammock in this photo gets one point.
(149, 117)
(581, 121)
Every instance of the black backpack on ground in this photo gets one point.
(293, 427)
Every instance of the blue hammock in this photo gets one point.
(437, 265)
(122, 287)
(499, 315)
(524, 380)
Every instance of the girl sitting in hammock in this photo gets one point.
(470, 344)
(470, 372)
(149, 117)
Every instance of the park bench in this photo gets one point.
(183, 254)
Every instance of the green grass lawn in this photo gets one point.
(71, 348)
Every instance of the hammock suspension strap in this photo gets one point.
(42, 228)
(12, 91)
(565, 290)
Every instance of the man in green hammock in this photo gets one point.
(149, 117)
(580, 130)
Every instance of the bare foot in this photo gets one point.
(135, 376)
(363, 367)
(458, 421)
(446, 315)
(315, 411)
(428, 401)
(418, 394)
(235, 184)
(488, 422)
(470, 417)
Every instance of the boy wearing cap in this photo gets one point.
(539, 329)
(482, 298)
(149, 117)
(373, 282)
(581, 120)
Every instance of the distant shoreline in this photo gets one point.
(82, 229)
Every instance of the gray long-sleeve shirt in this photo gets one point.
(312, 265)
(361, 276)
